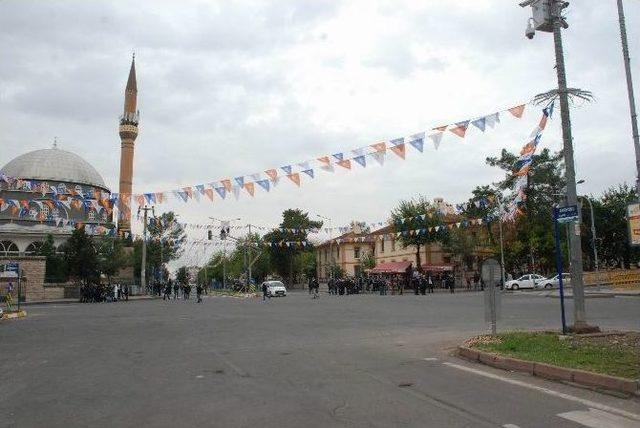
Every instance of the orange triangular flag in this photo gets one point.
(227, 184)
(345, 163)
(140, 199)
(441, 128)
(160, 197)
(250, 187)
(543, 122)
(188, 191)
(398, 149)
(295, 177)
(325, 160)
(380, 147)
(209, 194)
(272, 173)
(517, 111)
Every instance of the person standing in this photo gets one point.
(167, 292)
(199, 293)
(264, 291)
(176, 287)
(430, 284)
(451, 283)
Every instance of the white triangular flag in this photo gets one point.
(436, 138)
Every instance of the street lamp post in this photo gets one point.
(330, 244)
(143, 266)
(548, 17)
(593, 235)
(632, 101)
(224, 253)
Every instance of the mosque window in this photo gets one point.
(92, 215)
(45, 210)
(34, 247)
(8, 247)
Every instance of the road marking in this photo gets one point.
(430, 359)
(228, 362)
(595, 418)
(199, 376)
(510, 426)
(583, 401)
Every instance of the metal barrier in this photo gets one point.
(619, 278)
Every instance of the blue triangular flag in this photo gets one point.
(309, 172)
(361, 160)
(338, 156)
(286, 168)
(200, 188)
(397, 141)
(221, 191)
(417, 141)
(240, 181)
(264, 184)
(480, 123)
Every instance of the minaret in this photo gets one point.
(128, 134)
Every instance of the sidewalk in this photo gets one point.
(74, 300)
(589, 292)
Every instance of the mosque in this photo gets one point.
(53, 191)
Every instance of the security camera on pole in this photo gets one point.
(547, 17)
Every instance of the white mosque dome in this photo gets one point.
(55, 165)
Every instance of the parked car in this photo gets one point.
(276, 289)
(525, 281)
(555, 282)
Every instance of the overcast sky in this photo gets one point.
(234, 88)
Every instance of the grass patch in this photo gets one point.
(617, 355)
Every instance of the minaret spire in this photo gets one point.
(128, 133)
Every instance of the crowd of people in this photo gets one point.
(173, 288)
(419, 283)
(97, 293)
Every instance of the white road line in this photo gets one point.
(594, 418)
(510, 426)
(430, 359)
(583, 401)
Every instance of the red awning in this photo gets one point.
(437, 268)
(392, 267)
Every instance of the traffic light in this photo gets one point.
(210, 235)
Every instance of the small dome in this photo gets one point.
(53, 164)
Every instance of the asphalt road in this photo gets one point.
(380, 361)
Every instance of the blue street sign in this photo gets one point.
(567, 214)
(11, 267)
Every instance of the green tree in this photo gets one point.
(529, 242)
(368, 260)
(288, 241)
(610, 213)
(165, 239)
(418, 214)
(182, 275)
(111, 256)
(81, 257)
(56, 267)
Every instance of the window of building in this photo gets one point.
(393, 244)
(338, 251)
(382, 245)
(8, 247)
(34, 247)
(356, 252)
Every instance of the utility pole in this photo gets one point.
(632, 101)
(331, 262)
(547, 16)
(143, 266)
(248, 247)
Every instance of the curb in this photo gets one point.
(551, 372)
(71, 301)
(14, 315)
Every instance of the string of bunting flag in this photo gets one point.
(346, 160)
(103, 202)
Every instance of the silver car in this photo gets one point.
(555, 282)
